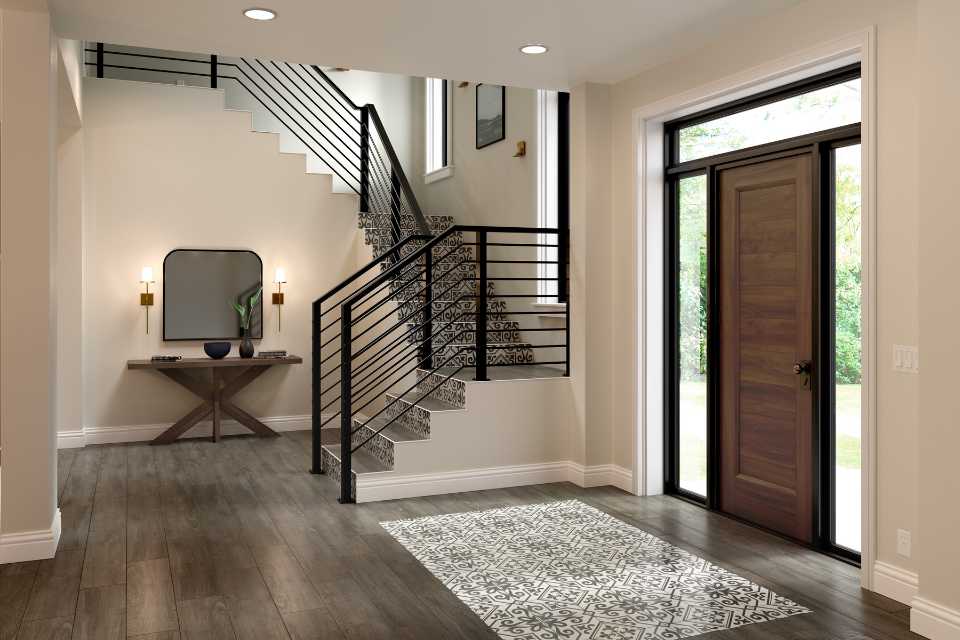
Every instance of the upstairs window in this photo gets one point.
(436, 101)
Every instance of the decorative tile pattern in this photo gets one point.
(566, 571)
(451, 390)
(379, 446)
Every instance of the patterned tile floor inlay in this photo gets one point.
(565, 570)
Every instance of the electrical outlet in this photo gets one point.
(903, 543)
(906, 359)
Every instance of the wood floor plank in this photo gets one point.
(256, 619)
(50, 629)
(14, 594)
(314, 624)
(288, 585)
(206, 618)
(101, 614)
(151, 606)
(52, 597)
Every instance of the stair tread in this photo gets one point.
(428, 403)
(360, 462)
(393, 431)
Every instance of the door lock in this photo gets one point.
(802, 369)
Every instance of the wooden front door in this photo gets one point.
(766, 325)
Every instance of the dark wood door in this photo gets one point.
(765, 329)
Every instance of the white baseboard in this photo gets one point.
(72, 439)
(601, 475)
(391, 486)
(31, 545)
(934, 620)
(894, 582)
(147, 432)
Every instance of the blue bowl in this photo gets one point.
(216, 350)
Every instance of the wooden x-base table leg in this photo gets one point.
(215, 398)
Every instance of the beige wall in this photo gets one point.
(489, 186)
(939, 484)
(801, 27)
(166, 167)
(591, 296)
(27, 237)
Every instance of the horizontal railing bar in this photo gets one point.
(507, 229)
(366, 268)
(373, 385)
(526, 346)
(152, 57)
(438, 296)
(132, 68)
(400, 266)
(416, 366)
(512, 244)
(401, 395)
(523, 262)
(403, 337)
(396, 417)
(526, 364)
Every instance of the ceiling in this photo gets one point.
(589, 40)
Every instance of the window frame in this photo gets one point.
(821, 143)
(436, 96)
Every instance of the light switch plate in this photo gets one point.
(906, 359)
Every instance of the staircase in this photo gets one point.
(417, 356)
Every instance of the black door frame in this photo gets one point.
(821, 145)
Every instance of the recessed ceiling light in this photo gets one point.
(533, 49)
(258, 13)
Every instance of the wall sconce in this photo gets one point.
(521, 149)
(146, 298)
(279, 278)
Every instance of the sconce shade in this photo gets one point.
(280, 276)
(146, 274)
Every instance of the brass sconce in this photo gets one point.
(279, 278)
(521, 149)
(146, 298)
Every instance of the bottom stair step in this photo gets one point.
(361, 462)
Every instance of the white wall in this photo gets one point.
(166, 167)
(488, 186)
(937, 612)
(28, 111)
(799, 28)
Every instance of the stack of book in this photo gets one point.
(272, 354)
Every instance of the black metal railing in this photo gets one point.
(349, 139)
(427, 316)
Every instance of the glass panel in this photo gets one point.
(692, 332)
(848, 354)
(826, 108)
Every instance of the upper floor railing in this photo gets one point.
(348, 138)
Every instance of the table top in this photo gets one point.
(210, 363)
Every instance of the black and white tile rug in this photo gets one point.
(566, 571)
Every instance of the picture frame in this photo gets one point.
(491, 114)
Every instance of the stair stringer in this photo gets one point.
(507, 429)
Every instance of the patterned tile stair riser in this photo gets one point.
(449, 390)
(565, 570)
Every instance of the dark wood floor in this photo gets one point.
(235, 540)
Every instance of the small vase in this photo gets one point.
(246, 345)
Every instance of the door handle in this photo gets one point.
(802, 368)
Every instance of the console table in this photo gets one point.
(227, 377)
